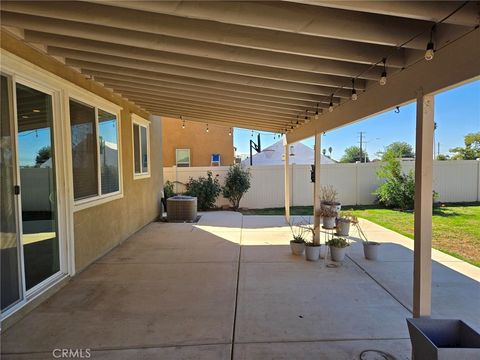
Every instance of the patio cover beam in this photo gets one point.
(452, 65)
(73, 16)
(286, 173)
(326, 22)
(221, 53)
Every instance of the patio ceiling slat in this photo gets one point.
(343, 50)
(186, 96)
(116, 80)
(217, 52)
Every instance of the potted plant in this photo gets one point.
(297, 245)
(338, 248)
(312, 248)
(328, 198)
(370, 248)
(329, 215)
(343, 224)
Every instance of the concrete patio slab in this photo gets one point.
(203, 291)
(321, 350)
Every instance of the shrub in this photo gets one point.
(168, 191)
(205, 189)
(398, 190)
(237, 183)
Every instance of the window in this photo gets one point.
(141, 147)
(183, 157)
(95, 153)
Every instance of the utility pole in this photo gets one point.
(361, 145)
(438, 151)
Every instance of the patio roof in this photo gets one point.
(261, 65)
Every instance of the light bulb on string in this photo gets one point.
(206, 130)
(430, 52)
(330, 106)
(383, 78)
(354, 92)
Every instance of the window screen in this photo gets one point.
(84, 150)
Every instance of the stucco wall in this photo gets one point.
(194, 137)
(99, 228)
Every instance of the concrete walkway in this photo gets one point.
(228, 288)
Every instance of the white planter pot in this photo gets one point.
(337, 254)
(297, 248)
(343, 228)
(370, 250)
(329, 222)
(312, 253)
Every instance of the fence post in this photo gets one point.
(478, 180)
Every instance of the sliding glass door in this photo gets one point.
(9, 242)
(30, 251)
(36, 163)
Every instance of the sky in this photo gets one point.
(457, 113)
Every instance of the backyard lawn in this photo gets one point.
(456, 227)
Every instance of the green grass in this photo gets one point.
(456, 227)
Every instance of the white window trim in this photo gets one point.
(189, 158)
(98, 103)
(137, 120)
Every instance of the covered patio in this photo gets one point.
(228, 287)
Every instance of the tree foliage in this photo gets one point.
(205, 189)
(43, 155)
(398, 190)
(471, 151)
(237, 183)
(398, 149)
(352, 155)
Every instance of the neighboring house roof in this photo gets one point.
(273, 155)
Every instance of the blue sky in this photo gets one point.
(457, 112)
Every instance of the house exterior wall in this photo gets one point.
(201, 144)
(98, 228)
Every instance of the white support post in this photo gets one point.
(422, 258)
(287, 182)
(316, 188)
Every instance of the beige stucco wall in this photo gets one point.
(194, 137)
(99, 228)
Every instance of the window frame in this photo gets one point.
(97, 103)
(141, 122)
(189, 157)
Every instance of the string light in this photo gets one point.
(316, 113)
(206, 129)
(330, 106)
(230, 132)
(252, 134)
(183, 122)
(430, 46)
(383, 78)
(354, 92)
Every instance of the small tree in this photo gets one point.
(237, 183)
(353, 154)
(471, 151)
(205, 189)
(398, 149)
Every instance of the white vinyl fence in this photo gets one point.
(455, 181)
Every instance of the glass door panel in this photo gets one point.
(38, 189)
(9, 249)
